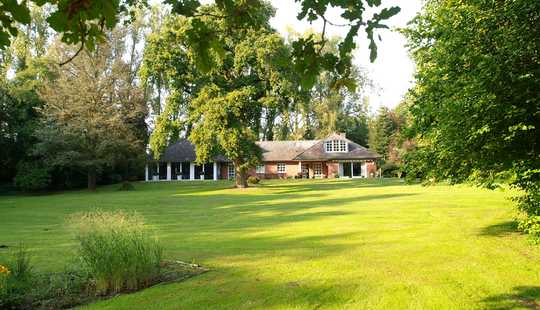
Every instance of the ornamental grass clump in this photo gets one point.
(118, 250)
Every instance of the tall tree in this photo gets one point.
(333, 104)
(382, 129)
(476, 106)
(21, 70)
(93, 111)
(220, 110)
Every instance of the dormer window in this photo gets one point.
(332, 146)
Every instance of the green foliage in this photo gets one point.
(476, 101)
(87, 23)
(126, 186)
(225, 128)
(18, 123)
(219, 110)
(253, 180)
(32, 176)
(528, 203)
(390, 169)
(18, 281)
(91, 120)
(334, 107)
(117, 250)
(382, 131)
(531, 225)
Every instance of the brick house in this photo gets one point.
(334, 156)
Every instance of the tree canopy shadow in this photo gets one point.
(522, 297)
(245, 290)
(500, 229)
(322, 185)
(265, 210)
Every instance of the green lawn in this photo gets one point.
(308, 244)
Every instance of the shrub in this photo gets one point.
(117, 250)
(531, 225)
(32, 176)
(115, 178)
(16, 281)
(253, 180)
(126, 186)
(528, 203)
(389, 169)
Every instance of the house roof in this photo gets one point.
(284, 150)
(318, 152)
(184, 150)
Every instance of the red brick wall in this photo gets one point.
(371, 169)
(270, 170)
(333, 169)
(291, 170)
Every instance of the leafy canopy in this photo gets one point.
(476, 105)
(86, 22)
(92, 111)
(219, 109)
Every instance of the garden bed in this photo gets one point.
(71, 288)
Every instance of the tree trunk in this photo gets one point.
(241, 178)
(92, 176)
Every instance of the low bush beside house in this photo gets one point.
(253, 180)
(390, 170)
(126, 186)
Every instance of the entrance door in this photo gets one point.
(347, 170)
(185, 170)
(163, 171)
(199, 171)
(357, 170)
(209, 171)
(176, 170)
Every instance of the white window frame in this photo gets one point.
(342, 146)
(328, 146)
(281, 168)
(231, 172)
(317, 169)
(336, 146)
(260, 169)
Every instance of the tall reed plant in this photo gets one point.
(117, 249)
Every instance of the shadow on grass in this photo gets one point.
(297, 186)
(522, 297)
(225, 212)
(229, 224)
(243, 290)
(500, 229)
